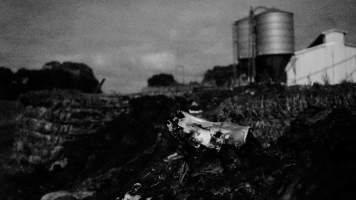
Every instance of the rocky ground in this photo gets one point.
(301, 145)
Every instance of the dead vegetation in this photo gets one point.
(300, 146)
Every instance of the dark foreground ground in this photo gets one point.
(301, 145)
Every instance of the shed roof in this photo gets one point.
(320, 39)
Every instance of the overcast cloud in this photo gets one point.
(126, 41)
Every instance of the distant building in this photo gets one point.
(329, 59)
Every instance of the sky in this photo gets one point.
(127, 41)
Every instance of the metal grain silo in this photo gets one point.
(274, 44)
(244, 38)
(274, 32)
(244, 44)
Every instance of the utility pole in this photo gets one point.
(182, 68)
(183, 75)
(252, 41)
(235, 53)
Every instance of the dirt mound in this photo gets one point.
(57, 125)
(135, 155)
(309, 162)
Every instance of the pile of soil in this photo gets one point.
(313, 160)
(55, 122)
(309, 154)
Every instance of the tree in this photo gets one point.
(51, 65)
(161, 80)
(219, 75)
(5, 75)
(6, 79)
(67, 75)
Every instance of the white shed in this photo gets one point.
(327, 60)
